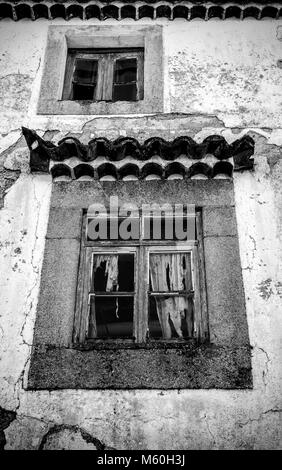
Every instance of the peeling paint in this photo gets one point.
(265, 289)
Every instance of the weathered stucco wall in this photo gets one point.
(220, 78)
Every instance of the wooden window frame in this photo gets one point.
(61, 38)
(106, 59)
(142, 250)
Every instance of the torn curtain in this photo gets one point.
(171, 272)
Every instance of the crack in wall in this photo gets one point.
(251, 420)
(18, 385)
(28, 306)
(205, 417)
(265, 371)
(35, 268)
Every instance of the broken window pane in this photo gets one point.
(171, 317)
(113, 273)
(125, 80)
(83, 92)
(85, 79)
(125, 71)
(111, 317)
(126, 92)
(170, 313)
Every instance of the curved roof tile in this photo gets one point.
(171, 9)
(113, 152)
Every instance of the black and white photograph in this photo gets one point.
(140, 228)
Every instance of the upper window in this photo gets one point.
(104, 75)
(102, 70)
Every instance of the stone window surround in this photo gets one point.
(224, 362)
(60, 38)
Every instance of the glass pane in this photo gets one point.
(113, 273)
(125, 71)
(82, 92)
(86, 71)
(125, 92)
(170, 272)
(111, 317)
(171, 317)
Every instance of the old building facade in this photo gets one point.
(151, 102)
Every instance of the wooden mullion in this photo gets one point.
(197, 297)
(86, 299)
(112, 294)
(80, 288)
(119, 51)
(67, 89)
(107, 79)
(135, 302)
(79, 299)
(171, 294)
(202, 277)
(142, 297)
(83, 288)
(140, 76)
(92, 56)
(99, 85)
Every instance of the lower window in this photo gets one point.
(123, 300)
(141, 293)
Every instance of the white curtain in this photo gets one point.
(111, 270)
(172, 272)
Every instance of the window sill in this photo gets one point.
(130, 344)
(203, 367)
(69, 107)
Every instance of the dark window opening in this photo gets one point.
(111, 318)
(112, 273)
(125, 80)
(84, 79)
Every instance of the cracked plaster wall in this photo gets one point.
(220, 78)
